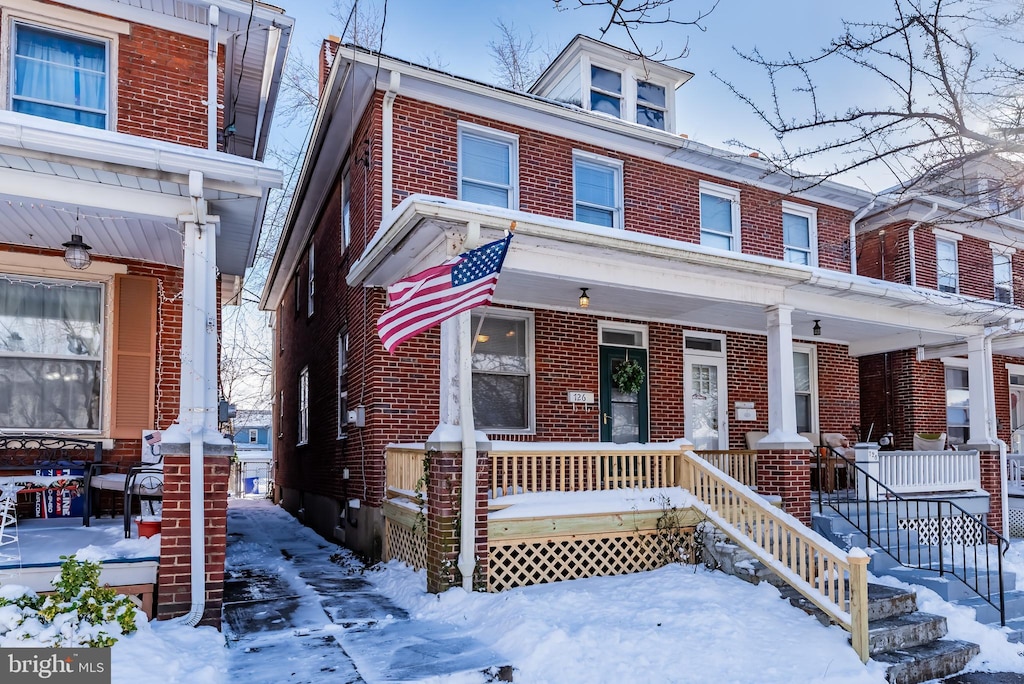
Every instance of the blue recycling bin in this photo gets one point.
(250, 485)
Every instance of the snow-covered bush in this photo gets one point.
(78, 613)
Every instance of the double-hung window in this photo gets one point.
(342, 383)
(254, 436)
(51, 355)
(799, 229)
(650, 105)
(719, 216)
(346, 209)
(805, 385)
(958, 407)
(311, 282)
(1002, 276)
(597, 189)
(502, 370)
(304, 405)
(488, 166)
(947, 268)
(60, 75)
(605, 91)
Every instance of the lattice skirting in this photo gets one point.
(1016, 517)
(954, 530)
(404, 544)
(522, 562)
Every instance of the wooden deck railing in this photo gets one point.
(739, 465)
(600, 468)
(833, 580)
(404, 466)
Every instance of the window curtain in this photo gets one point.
(56, 74)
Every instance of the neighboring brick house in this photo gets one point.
(120, 129)
(751, 306)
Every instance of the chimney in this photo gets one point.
(328, 50)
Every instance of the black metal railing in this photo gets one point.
(916, 532)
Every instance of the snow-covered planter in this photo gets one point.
(78, 613)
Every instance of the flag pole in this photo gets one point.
(467, 536)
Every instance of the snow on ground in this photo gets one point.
(676, 624)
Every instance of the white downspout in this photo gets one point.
(467, 532)
(913, 244)
(853, 235)
(211, 79)
(388, 141)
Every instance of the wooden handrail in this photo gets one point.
(833, 580)
(741, 464)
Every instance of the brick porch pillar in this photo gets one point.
(785, 471)
(174, 579)
(992, 482)
(444, 504)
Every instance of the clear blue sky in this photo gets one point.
(456, 33)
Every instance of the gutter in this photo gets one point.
(388, 142)
(912, 243)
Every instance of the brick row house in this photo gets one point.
(133, 131)
(754, 305)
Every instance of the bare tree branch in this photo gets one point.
(516, 64)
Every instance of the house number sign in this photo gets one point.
(581, 397)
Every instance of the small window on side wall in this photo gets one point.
(1002, 277)
(799, 231)
(342, 384)
(311, 281)
(719, 217)
(303, 413)
(946, 266)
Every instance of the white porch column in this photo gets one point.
(781, 384)
(449, 389)
(980, 387)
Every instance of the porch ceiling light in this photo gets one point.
(76, 253)
(817, 328)
(584, 298)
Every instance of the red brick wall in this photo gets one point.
(174, 593)
(161, 85)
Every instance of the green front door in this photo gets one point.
(623, 414)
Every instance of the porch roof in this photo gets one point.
(636, 276)
(122, 193)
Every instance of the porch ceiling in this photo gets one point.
(638, 277)
(122, 194)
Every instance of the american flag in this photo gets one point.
(423, 300)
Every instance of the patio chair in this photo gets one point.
(144, 481)
(835, 452)
(924, 441)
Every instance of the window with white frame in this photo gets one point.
(1002, 278)
(605, 91)
(947, 268)
(342, 384)
(805, 385)
(799, 234)
(51, 354)
(254, 436)
(503, 370)
(719, 216)
(597, 190)
(958, 407)
(311, 281)
(60, 75)
(304, 405)
(651, 105)
(488, 166)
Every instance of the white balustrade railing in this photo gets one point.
(929, 471)
(1015, 470)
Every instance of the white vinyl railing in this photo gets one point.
(1015, 470)
(929, 471)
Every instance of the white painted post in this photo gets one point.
(450, 355)
(467, 541)
(781, 384)
(979, 389)
(867, 461)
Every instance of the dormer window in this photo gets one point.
(606, 91)
(650, 105)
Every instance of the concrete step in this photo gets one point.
(904, 631)
(1015, 627)
(984, 612)
(929, 661)
(951, 588)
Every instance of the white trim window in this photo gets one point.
(346, 208)
(342, 384)
(488, 166)
(1002, 277)
(254, 436)
(51, 355)
(60, 75)
(947, 269)
(958, 404)
(303, 414)
(805, 386)
(605, 91)
(719, 216)
(503, 378)
(651, 104)
(311, 281)
(800, 234)
(597, 189)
